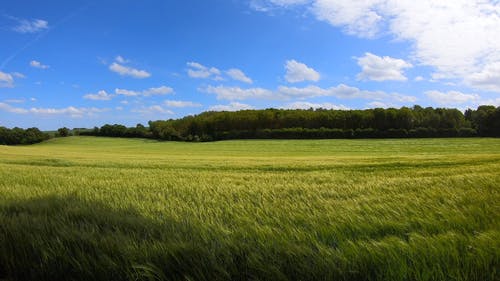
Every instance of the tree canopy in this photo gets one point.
(405, 122)
(317, 123)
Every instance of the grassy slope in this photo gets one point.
(98, 208)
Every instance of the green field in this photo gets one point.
(85, 208)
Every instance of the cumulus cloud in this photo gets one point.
(341, 91)
(269, 5)
(381, 68)
(178, 103)
(451, 98)
(37, 64)
(71, 111)
(237, 93)
(361, 18)
(162, 90)
(119, 66)
(121, 60)
(6, 80)
(379, 104)
(312, 91)
(298, 72)
(128, 71)
(18, 75)
(152, 110)
(30, 26)
(307, 105)
(494, 102)
(487, 79)
(233, 106)
(8, 108)
(15, 101)
(238, 75)
(197, 70)
(458, 38)
(101, 95)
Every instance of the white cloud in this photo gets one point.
(12, 109)
(127, 93)
(162, 90)
(237, 74)
(18, 75)
(37, 64)
(402, 98)
(458, 38)
(494, 102)
(451, 98)
(6, 80)
(359, 18)
(121, 60)
(237, 93)
(15, 101)
(286, 93)
(197, 70)
(119, 67)
(289, 2)
(30, 26)
(268, 5)
(341, 91)
(75, 112)
(379, 104)
(154, 109)
(71, 111)
(128, 71)
(307, 105)
(101, 95)
(178, 103)
(233, 106)
(382, 68)
(487, 79)
(418, 79)
(298, 72)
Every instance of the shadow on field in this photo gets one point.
(66, 238)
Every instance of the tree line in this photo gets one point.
(405, 122)
(21, 136)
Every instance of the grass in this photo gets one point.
(85, 208)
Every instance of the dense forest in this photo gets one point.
(415, 122)
(316, 124)
(21, 136)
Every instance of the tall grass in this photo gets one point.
(86, 208)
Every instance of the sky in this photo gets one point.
(85, 63)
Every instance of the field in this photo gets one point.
(86, 208)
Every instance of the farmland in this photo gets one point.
(89, 208)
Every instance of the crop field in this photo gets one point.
(88, 208)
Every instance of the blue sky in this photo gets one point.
(87, 63)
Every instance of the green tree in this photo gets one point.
(63, 132)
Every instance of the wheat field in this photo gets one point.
(88, 208)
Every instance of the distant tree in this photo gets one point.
(416, 121)
(63, 132)
(20, 136)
